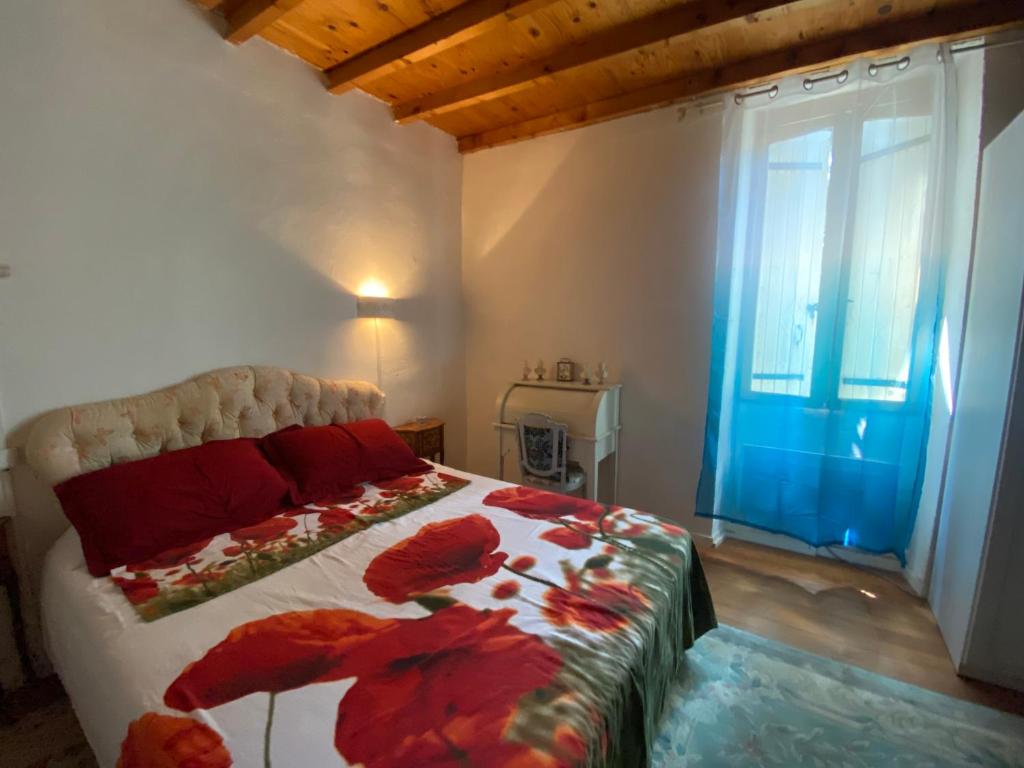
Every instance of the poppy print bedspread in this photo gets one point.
(442, 620)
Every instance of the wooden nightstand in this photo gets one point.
(426, 438)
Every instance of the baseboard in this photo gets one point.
(866, 559)
(1001, 677)
(916, 581)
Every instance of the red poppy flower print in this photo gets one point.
(569, 744)
(446, 687)
(268, 530)
(443, 689)
(567, 538)
(171, 557)
(672, 530)
(278, 653)
(161, 741)
(203, 577)
(631, 530)
(336, 518)
(400, 484)
(445, 478)
(505, 590)
(346, 496)
(138, 590)
(543, 505)
(440, 554)
(605, 607)
(523, 563)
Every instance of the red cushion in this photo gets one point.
(316, 462)
(384, 454)
(131, 512)
(322, 462)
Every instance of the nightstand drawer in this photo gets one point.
(425, 438)
(431, 442)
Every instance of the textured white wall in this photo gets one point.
(171, 203)
(599, 245)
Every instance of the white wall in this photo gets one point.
(170, 203)
(599, 245)
(978, 571)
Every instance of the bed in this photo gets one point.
(435, 619)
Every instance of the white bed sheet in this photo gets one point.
(116, 666)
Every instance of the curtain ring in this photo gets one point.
(771, 92)
(839, 77)
(900, 64)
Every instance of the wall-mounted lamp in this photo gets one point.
(375, 306)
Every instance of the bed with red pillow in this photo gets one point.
(366, 608)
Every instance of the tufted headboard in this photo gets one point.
(249, 401)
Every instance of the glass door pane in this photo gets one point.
(790, 264)
(885, 259)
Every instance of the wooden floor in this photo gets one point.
(839, 611)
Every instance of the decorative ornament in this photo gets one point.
(540, 370)
(602, 372)
(526, 370)
(585, 375)
(564, 369)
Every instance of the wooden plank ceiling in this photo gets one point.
(492, 72)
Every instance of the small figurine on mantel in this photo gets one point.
(540, 370)
(602, 373)
(585, 375)
(526, 370)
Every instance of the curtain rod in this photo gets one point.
(963, 46)
(978, 43)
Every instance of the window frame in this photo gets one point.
(845, 116)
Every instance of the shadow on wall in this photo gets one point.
(599, 245)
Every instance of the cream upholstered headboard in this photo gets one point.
(232, 402)
(249, 401)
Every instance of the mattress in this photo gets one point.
(440, 620)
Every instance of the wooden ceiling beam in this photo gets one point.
(660, 27)
(253, 16)
(946, 24)
(457, 26)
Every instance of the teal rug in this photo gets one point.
(747, 701)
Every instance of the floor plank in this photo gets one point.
(863, 617)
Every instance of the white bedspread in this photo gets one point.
(115, 666)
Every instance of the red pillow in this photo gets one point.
(131, 512)
(323, 462)
(384, 454)
(316, 462)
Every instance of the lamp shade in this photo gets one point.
(374, 306)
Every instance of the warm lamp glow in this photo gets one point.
(372, 287)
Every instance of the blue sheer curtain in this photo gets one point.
(827, 289)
